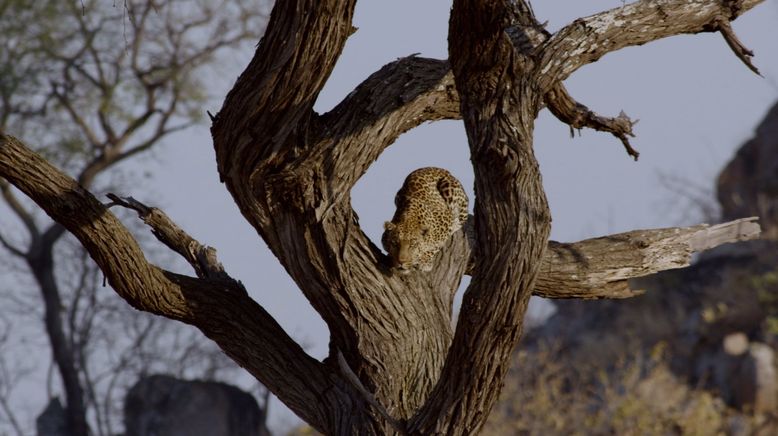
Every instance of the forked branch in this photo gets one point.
(201, 257)
(577, 116)
(219, 308)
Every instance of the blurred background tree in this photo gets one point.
(95, 83)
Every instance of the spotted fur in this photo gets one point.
(431, 206)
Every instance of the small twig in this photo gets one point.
(625, 121)
(201, 257)
(11, 248)
(578, 116)
(741, 51)
(354, 380)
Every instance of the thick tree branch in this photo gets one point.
(512, 219)
(601, 267)
(277, 90)
(398, 97)
(244, 330)
(588, 39)
(411, 91)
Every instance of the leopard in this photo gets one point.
(431, 206)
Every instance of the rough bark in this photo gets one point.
(602, 267)
(290, 172)
(566, 272)
(221, 310)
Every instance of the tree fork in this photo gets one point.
(290, 172)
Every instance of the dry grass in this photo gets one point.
(549, 395)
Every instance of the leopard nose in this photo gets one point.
(404, 256)
(403, 260)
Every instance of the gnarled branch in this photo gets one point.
(201, 257)
(577, 115)
(219, 308)
(400, 96)
(588, 39)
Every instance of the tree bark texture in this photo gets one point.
(290, 171)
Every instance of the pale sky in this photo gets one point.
(696, 103)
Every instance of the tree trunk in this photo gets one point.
(41, 262)
(394, 366)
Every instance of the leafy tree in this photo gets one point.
(94, 83)
(395, 363)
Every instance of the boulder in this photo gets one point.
(53, 420)
(748, 184)
(161, 405)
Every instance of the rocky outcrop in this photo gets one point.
(748, 185)
(160, 405)
(742, 372)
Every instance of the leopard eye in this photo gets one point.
(424, 231)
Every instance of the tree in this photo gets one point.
(95, 84)
(395, 365)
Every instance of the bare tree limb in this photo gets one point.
(602, 267)
(398, 97)
(225, 314)
(740, 50)
(201, 257)
(588, 39)
(577, 115)
(512, 219)
(302, 57)
(416, 90)
(17, 208)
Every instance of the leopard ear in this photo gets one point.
(446, 190)
(388, 225)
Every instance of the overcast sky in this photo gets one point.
(696, 103)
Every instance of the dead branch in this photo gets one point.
(741, 51)
(588, 39)
(201, 257)
(601, 267)
(577, 115)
